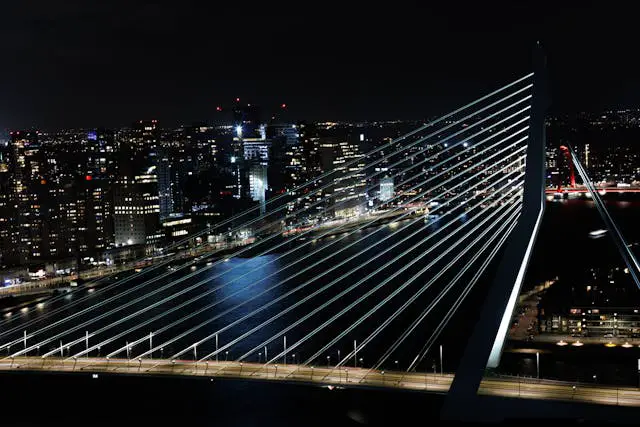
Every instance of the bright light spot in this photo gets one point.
(561, 343)
(233, 159)
(7, 314)
(40, 305)
(91, 290)
(94, 376)
(129, 241)
(24, 309)
(627, 345)
(446, 145)
(239, 130)
(465, 144)
(610, 344)
(577, 344)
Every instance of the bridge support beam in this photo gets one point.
(487, 341)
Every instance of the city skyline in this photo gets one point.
(271, 214)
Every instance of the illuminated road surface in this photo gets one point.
(343, 377)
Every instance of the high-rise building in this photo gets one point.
(347, 192)
(137, 211)
(7, 212)
(165, 186)
(136, 193)
(28, 191)
(386, 189)
(286, 160)
(256, 159)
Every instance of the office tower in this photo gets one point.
(136, 194)
(386, 189)
(256, 160)
(165, 187)
(347, 192)
(28, 190)
(7, 212)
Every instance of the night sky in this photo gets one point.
(81, 64)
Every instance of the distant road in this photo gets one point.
(52, 283)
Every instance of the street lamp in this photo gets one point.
(328, 361)
(361, 363)
(396, 363)
(226, 356)
(293, 356)
(260, 357)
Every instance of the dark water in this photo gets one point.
(253, 303)
(563, 247)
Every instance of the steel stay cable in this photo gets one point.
(283, 296)
(495, 154)
(143, 338)
(279, 298)
(440, 296)
(458, 302)
(626, 253)
(383, 283)
(424, 288)
(289, 192)
(251, 247)
(194, 286)
(442, 293)
(321, 289)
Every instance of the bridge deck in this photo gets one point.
(344, 377)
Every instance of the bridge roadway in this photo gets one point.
(328, 376)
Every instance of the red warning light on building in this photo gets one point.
(88, 177)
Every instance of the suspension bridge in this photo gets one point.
(365, 301)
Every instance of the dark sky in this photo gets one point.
(91, 63)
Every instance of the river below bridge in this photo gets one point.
(563, 246)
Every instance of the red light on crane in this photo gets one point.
(88, 178)
(284, 105)
(237, 99)
(218, 108)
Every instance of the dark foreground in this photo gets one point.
(80, 400)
